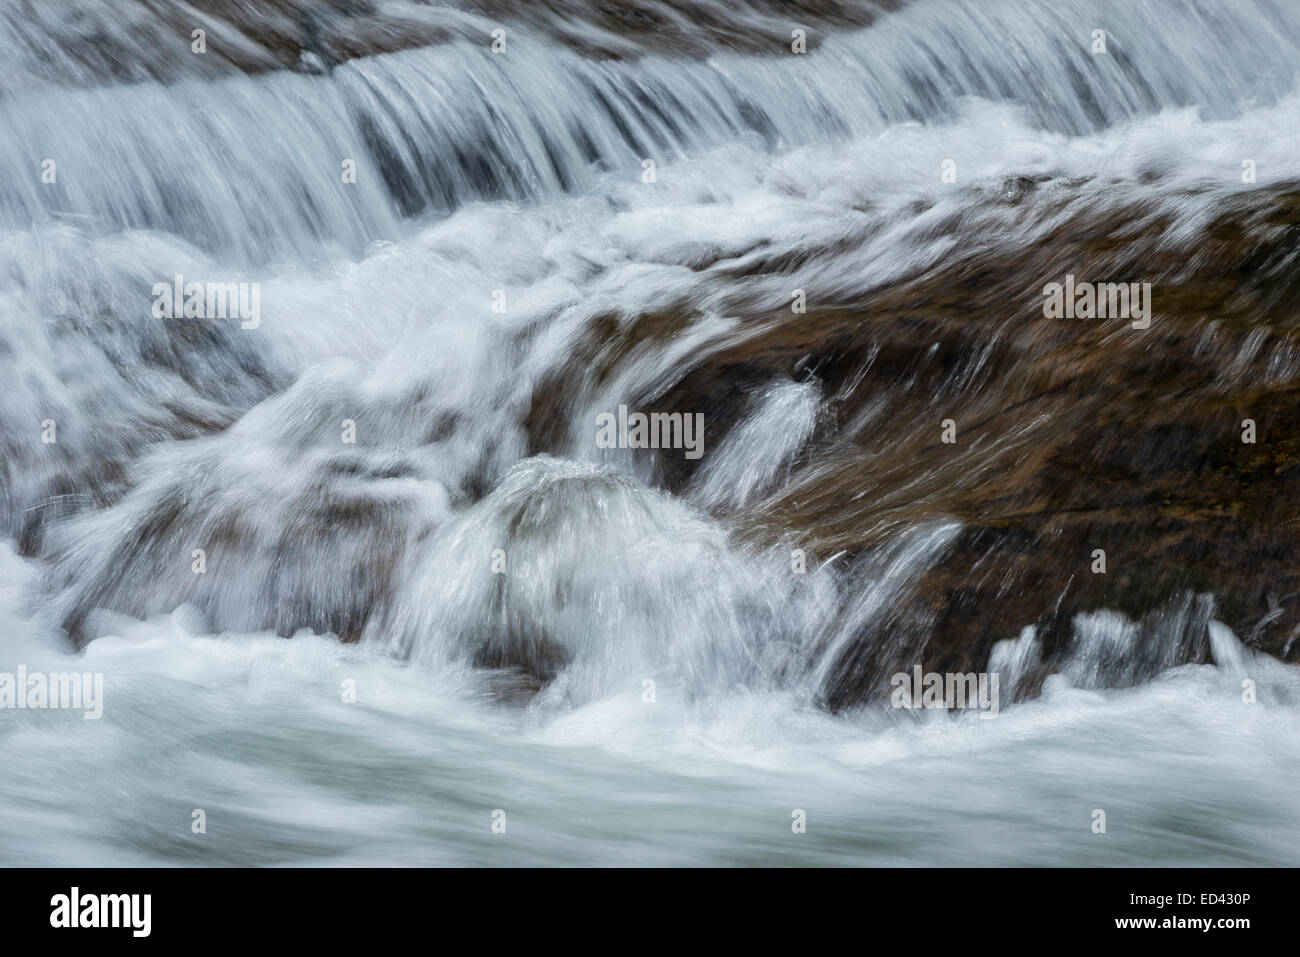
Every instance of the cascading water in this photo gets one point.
(640, 654)
(250, 165)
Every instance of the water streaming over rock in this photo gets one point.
(397, 464)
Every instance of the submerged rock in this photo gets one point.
(277, 524)
(584, 581)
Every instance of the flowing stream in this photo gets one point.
(642, 681)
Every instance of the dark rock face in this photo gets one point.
(140, 40)
(1072, 435)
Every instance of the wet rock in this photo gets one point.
(141, 40)
(582, 582)
(92, 378)
(1072, 436)
(274, 525)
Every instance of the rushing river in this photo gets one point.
(351, 602)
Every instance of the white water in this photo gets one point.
(376, 307)
(252, 730)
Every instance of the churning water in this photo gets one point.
(643, 683)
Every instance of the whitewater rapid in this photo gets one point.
(253, 730)
(524, 176)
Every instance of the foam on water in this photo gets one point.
(524, 176)
(252, 729)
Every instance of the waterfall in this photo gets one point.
(251, 166)
(480, 275)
